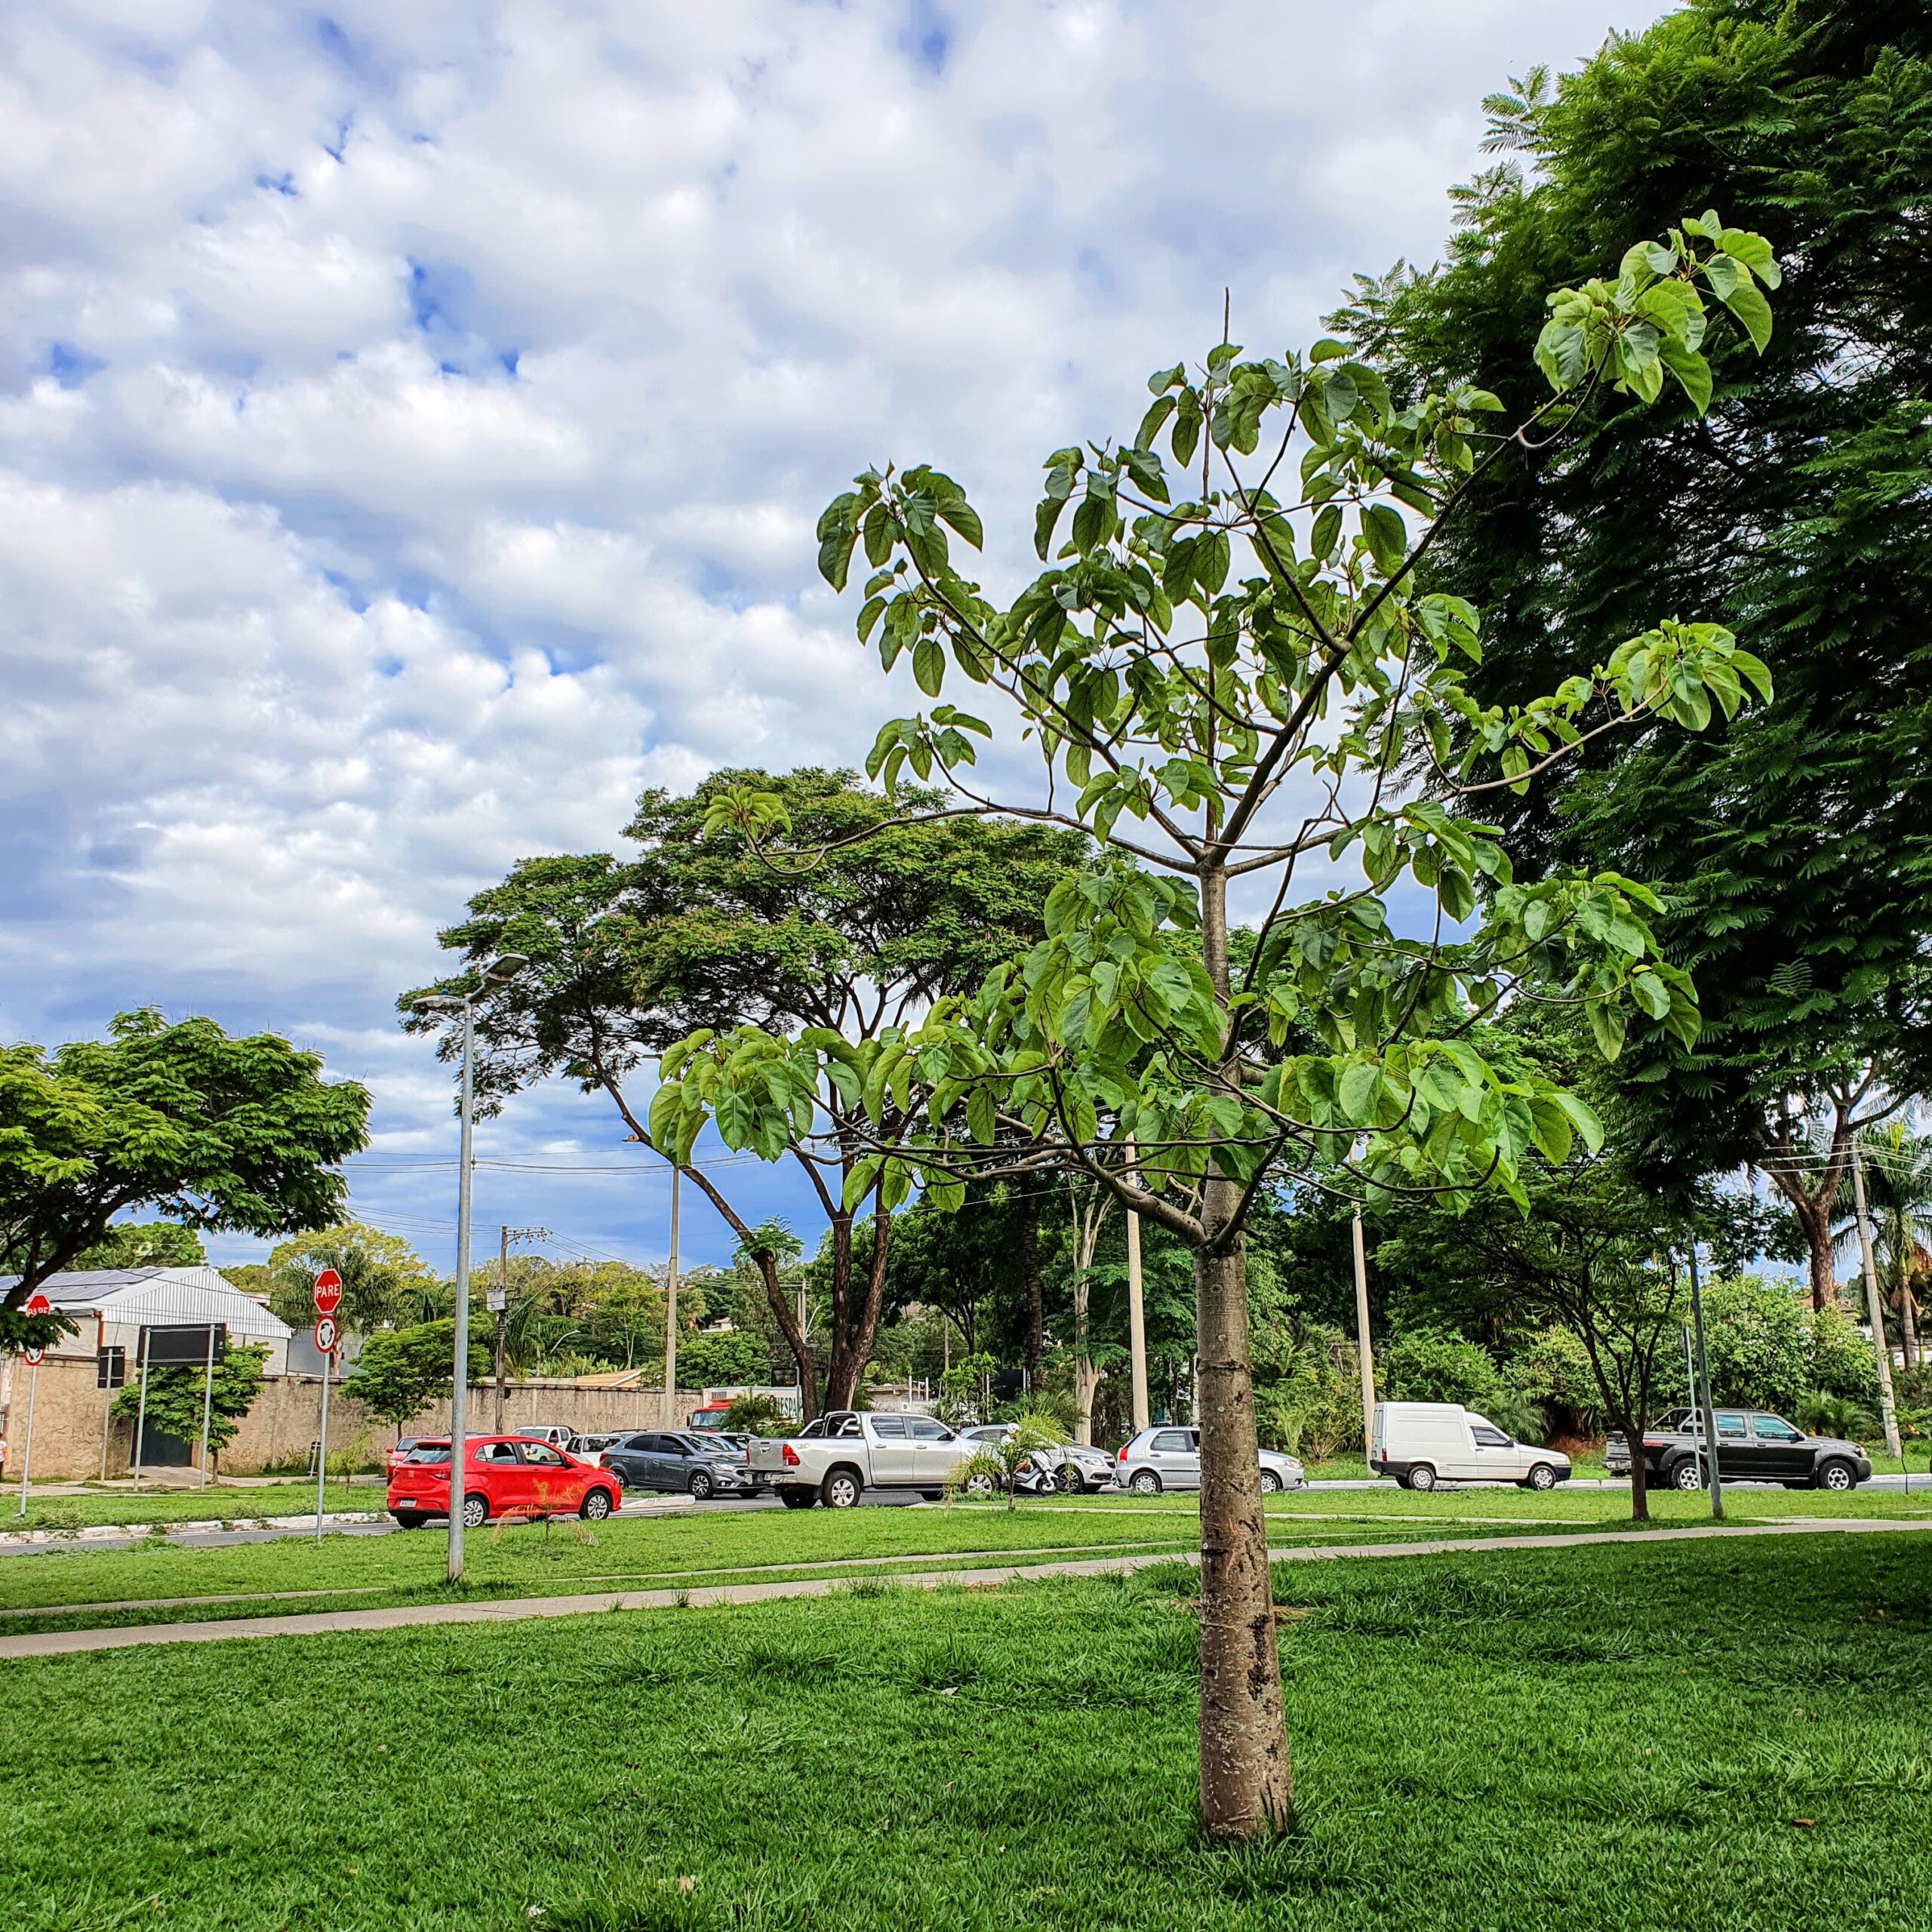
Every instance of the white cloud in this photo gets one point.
(417, 416)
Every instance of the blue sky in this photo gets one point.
(413, 419)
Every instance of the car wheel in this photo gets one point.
(798, 1499)
(617, 1478)
(476, 1510)
(1835, 1473)
(981, 1484)
(1542, 1477)
(841, 1489)
(596, 1506)
(1422, 1477)
(1145, 1483)
(1271, 1484)
(1688, 1474)
(700, 1485)
(932, 1495)
(1070, 1481)
(410, 1519)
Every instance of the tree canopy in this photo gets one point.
(1792, 842)
(214, 1130)
(630, 954)
(383, 1278)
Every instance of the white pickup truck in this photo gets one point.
(835, 1459)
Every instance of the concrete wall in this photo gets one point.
(69, 1411)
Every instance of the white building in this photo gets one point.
(112, 1305)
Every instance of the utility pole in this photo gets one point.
(1887, 1409)
(499, 1299)
(1137, 1310)
(1704, 1377)
(1362, 1342)
(671, 1315)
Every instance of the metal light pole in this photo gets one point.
(501, 970)
(1704, 1375)
(671, 1315)
(1887, 1408)
(1362, 1331)
(1136, 1307)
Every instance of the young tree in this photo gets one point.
(1793, 844)
(1227, 668)
(216, 1132)
(402, 1370)
(629, 955)
(176, 1396)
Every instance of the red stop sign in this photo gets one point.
(37, 1303)
(328, 1292)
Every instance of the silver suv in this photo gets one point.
(1168, 1457)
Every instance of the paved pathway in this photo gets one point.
(328, 1622)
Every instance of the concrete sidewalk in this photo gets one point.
(322, 1623)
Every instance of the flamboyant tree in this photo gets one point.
(217, 1130)
(1229, 669)
(628, 954)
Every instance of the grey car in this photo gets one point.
(1168, 1457)
(692, 1461)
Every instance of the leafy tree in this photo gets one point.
(143, 1244)
(216, 1132)
(1434, 1365)
(630, 954)
(176, 1394)
(1228, 668)
(1794, 842)
(721, 1360)
(382, 1276)
(401, 1370)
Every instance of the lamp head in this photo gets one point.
(504, 967)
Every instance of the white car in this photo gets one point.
(1168, 1457)
(1421, 1443)
(1071, 1468)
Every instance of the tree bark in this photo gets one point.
(1246, 1786)
(1639, 1487)
(1029, 1273)
(855, 1327)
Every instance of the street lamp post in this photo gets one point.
(499, 972)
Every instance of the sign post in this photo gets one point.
(208, 1406)
(36, 1304)
(328, 1299)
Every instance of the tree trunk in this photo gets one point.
(855, 1323)
(779, 1302)
(1246, 1786)
(1029, 1273)
(1909, 1323)
(1640, 1489)
(1817, 1226)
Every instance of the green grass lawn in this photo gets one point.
(164, 1582)
(90, 1507)
(1622, 1738)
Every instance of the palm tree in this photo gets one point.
(1898, 1187)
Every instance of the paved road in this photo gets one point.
(329, 1623)
(190, 1537)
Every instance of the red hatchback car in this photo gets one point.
(507, 1475)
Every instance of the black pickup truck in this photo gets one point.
(1753, 1446)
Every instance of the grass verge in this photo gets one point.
(1728, 1736)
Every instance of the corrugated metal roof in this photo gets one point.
(161, 1298)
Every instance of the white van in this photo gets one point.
(1421, 1443)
